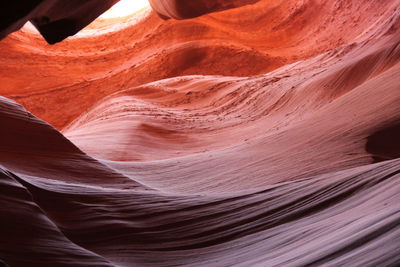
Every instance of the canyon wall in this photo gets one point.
(262, 135)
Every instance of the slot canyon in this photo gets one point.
(200, 133)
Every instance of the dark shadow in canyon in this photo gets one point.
(385, 143)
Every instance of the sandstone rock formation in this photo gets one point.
(55, 19)
(181, 9)
(262, 135)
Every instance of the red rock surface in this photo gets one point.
(266, 36)
(264, 135)
(181, 9)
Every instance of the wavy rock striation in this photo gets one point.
(265, 135)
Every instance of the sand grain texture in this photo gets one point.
(264, 135)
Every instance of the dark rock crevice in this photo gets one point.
(385, 143)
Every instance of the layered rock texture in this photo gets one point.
(264, 134)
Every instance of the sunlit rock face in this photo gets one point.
(181, 9)
(246, 41)
(205, 133)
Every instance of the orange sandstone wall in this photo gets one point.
(59, 82)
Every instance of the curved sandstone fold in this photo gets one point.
(31, 147)
(246, 41)
(181, 9)
(262, 135)
(344, 218)
(26, 232)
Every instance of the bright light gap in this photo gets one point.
(125, 8)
